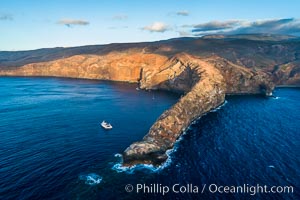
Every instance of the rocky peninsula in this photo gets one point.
(205, 85)
(203, 80)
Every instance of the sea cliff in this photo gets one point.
(203, 82)
(204, 70)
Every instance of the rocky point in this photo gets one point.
(203, 83)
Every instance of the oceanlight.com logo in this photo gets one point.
(250, 189)
(211, 188)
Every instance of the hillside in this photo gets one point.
(203, 70)
(276, 54)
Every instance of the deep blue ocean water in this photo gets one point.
(52, 146)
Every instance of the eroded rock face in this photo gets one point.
(207, 91)
(204, 83)
(114, 66)
(288, 74)
(241, 80)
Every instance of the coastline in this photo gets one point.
(287, 86)
(202, 82)
(205, 93)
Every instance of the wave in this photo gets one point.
(217, 108)
(118, 155)
(118, 167)
(91, 179)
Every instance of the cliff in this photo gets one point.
(204, 83)
(113, 66)
(275, 54)
(207, 71)
(205, 90)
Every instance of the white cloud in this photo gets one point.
(184, 34)
(157, 27)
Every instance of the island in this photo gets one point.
(204, 70)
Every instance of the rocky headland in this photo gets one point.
(202, 78)
(205, 85)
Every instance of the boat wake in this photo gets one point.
(118, 167)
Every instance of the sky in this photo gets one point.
(34, 24)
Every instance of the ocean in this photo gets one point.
(53, 147)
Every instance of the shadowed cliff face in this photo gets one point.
(241, 80)
(204, 83)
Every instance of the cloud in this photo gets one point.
(279, 26)
(120, 17)
(6, 17)
(157, 27)
(290, 26)
(73, 22)
(215, 25)
(187, 26)
(184, 34)
(183, 13)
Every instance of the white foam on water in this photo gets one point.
(91, 179)
(142, 167)
(219, 107)
(118, 155)
(149, 167)
(130, 170)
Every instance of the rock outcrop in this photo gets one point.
(241, 80)
(203, 83)
(205, 87)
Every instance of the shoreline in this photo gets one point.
(69, 77)
(203, 84)
(205, 87)
(120, 167)
(287, 86)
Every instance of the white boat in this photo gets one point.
(106, 125)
